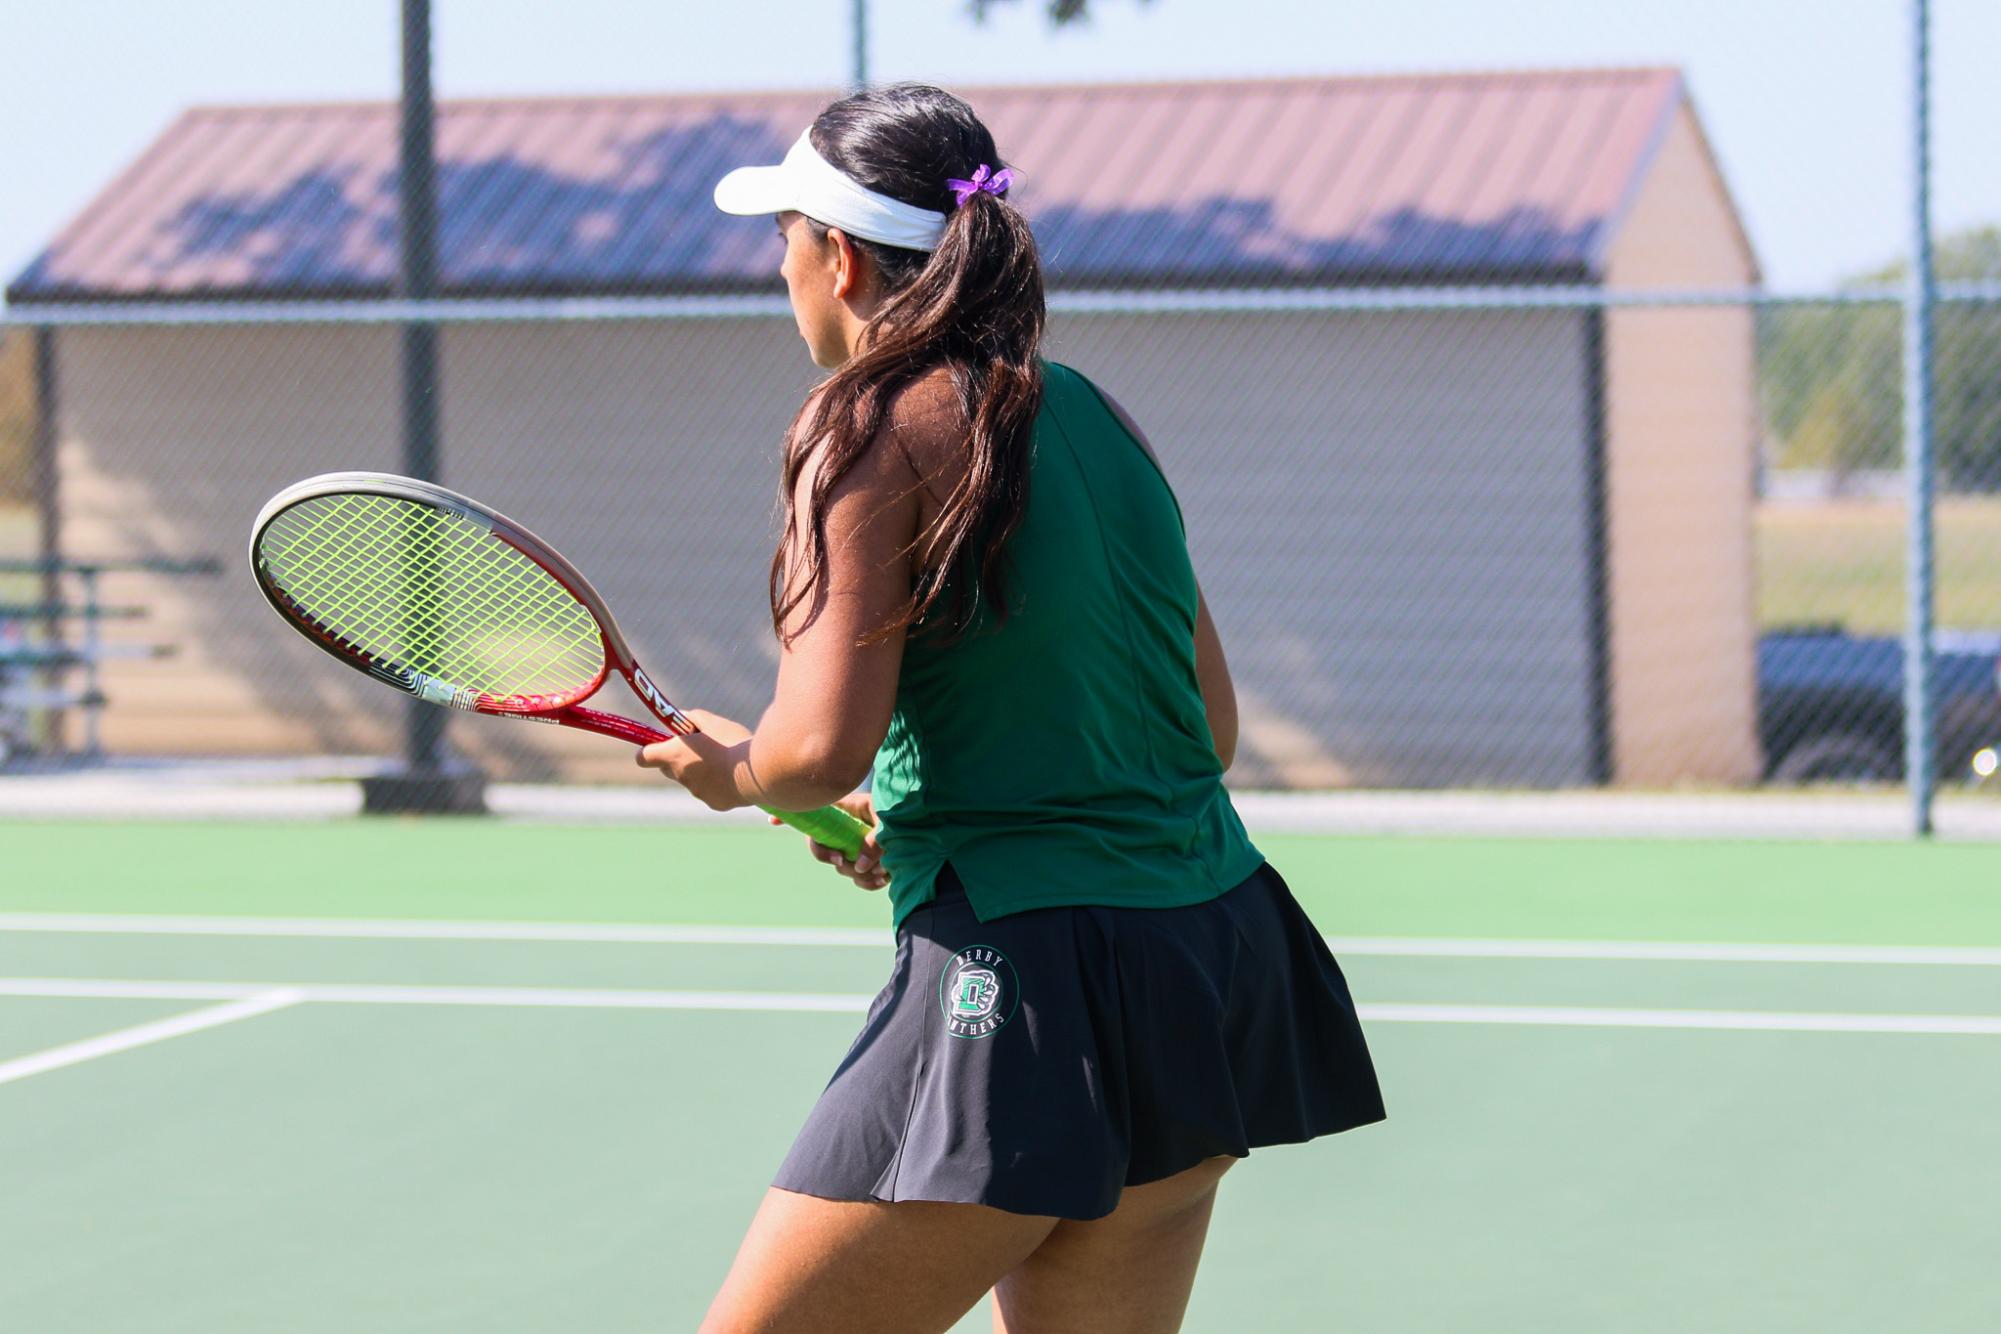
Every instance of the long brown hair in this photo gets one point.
(973, 306)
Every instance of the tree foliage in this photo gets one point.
(1833, 375)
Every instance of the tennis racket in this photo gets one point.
(453, 603)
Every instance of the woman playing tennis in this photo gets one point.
(1102, 995)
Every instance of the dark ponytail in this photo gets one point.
(973, 306)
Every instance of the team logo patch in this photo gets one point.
(978, 992)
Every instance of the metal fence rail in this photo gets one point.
(1188, 301)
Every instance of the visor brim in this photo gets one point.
(753, 191)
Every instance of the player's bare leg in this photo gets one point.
(1129, 1272)
(840, 1267)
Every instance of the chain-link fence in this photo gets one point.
(1501, 467)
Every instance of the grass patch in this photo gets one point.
(1843, 561)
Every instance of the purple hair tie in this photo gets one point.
(993, 185)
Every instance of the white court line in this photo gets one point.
(342, 928)
(1696, 951)
(1776, 1021)
(797, 1002)
(365, 993)
(643, 933)
(260, 1001)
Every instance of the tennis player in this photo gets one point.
(1102, 994)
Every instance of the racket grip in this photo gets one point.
(830, 827)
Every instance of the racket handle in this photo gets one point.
(830, 827)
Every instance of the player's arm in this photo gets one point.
(1212, 669)
(835, 695)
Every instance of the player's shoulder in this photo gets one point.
(925, 422)
(940, 397)
(932, 401)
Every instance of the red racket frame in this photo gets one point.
(563, 709)
(831, 826)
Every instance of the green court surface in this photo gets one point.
(404, 1076)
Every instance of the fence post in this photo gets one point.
(1919, 293)
(428, 781)
(53, 737)
(416, 201)
(861, 45)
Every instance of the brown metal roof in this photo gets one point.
(1509, 176)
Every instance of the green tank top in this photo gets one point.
(1064, 757)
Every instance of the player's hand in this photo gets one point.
(705, 762)
(866, 868)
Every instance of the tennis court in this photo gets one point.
(458, 1075)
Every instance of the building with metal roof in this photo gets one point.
(1309, 181)
(1498, 545)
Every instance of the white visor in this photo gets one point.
(807, 183)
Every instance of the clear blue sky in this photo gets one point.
(1804, 99)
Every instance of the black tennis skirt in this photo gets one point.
(1043, 1061)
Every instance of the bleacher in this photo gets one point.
(52, 652)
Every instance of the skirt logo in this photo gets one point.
(977, 991)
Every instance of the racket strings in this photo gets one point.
(422, 588)
(511, 600)
(344, 599)
(447, 569)
(349, 596)
(423, 616)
